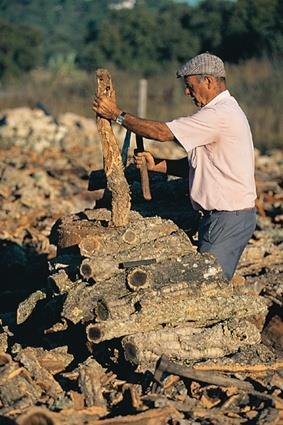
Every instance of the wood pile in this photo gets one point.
(116, 293)
(262, 260)
(128, 315)
(88, 313)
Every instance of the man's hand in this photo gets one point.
(106, 107)
(139, 157)
(159, 167)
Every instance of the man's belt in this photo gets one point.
(210, 212)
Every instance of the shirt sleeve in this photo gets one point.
(196, 130)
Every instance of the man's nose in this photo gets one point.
(187, 91)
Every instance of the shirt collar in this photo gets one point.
(219, 97)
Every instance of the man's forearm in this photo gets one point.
(156, 130)
(149, 129)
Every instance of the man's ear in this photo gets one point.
(209, 81)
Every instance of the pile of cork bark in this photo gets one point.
(146, 283)
(123, 321)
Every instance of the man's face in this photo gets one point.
(196, 89)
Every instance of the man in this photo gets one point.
(221, 165)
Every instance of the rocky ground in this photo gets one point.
(69, 353)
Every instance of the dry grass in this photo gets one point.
(255, 84)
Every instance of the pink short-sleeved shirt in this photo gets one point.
(219, 140)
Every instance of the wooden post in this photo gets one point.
(142, 98)
(116, 181)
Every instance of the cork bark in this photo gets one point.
(120, 304)
(116, 181)
(91, 237)
(100, 268)
(191, 276)
(154, 313)
(186, 342)
(90, 376)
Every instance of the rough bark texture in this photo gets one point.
(60, 281)
(201, 274)
(153, 313)
(4, 333)
(79, 304)
(27, 306)
(235, 367)
(89, 416)
(258, 356)
(186, 342)
(102, 268)
(17, 388)
(90, 377)
(44, 379)
(102, 239)
(99, 268)
(54, 361)
(116, 181)
(120, 304)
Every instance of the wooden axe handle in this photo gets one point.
(145, 181)
(143, 171)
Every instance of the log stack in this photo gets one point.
(146, 284)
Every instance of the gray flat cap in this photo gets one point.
(204, 63)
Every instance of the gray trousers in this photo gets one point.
(225, 235)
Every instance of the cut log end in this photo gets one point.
(138, 279)
(129, 237)
(89, 246)
(130, 353)
(94, 333)
(86, 271)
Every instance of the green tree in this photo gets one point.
(62, 22)
(176, 39)
(19, 48)
(254, 28)
(209, 22)
(142, 39)
(145, 39)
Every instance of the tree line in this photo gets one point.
(144, 39)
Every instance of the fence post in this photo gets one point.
(142, 98)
